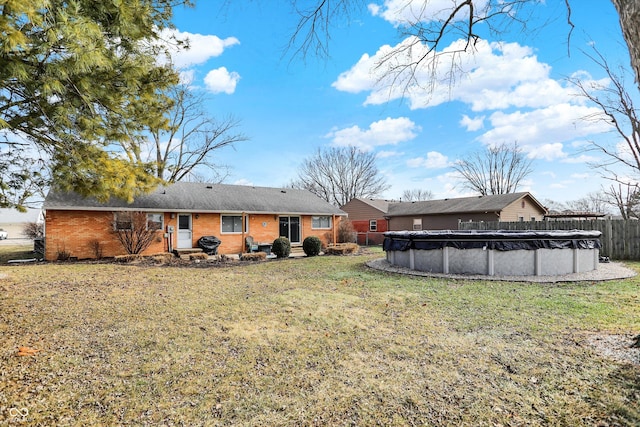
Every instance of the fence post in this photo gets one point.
(609, 237)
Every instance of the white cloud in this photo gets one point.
(472, 124)
(558, 185)
(221, 80)
(374, 9)
(202, 47)
(547, 151)
(187, 77)
(581, 159)
(388, 153)
(434, 160)
(405, 12)
(383, 132)
(360, 77)
(491, 76)
(581, 176)
(243, 181)
(554, 124)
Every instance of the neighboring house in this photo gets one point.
(569, 215)
(183, 212)
(368, 219)
(446, 214)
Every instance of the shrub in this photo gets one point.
(312, 246)
(328, 237)
(130, 258)
(254, 256)
(281, 247)
(342, 249)
(96, 248)
(133, 231)
(63, 254)
(346, 232)
(33, 230)
(163, 258)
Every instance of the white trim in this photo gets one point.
(179, 232)
(321, 216)
(233, 214)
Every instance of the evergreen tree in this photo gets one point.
(78, 77)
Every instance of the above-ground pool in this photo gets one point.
(494, 253)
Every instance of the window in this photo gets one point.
(320, 222)
(521, 218)
(373, 225)
(155, 221)
(126, 220)
(533, 219)
(417, 224)
(233, 223)
(122, 220)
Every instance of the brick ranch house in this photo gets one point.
(447, 214)
(184, 212)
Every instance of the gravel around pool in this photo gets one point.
(605, 271)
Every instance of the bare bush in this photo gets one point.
(33, 230)
(96, 248)
(346, 232)
(133, 231)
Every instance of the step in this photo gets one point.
(186, 251)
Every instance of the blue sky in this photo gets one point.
(514, 90)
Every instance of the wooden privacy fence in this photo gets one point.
(620, 238)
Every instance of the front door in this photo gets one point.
(185, 240)
(290, 228)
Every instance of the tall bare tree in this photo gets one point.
(497, 170)
(416, 195)
(595, 202)
(625, 198)
(189, 141)
(616, 109)
(339, 175)
(629, 12)
(424, 27)
(621, 156)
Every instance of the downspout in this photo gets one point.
(242, 228)
(334, 229)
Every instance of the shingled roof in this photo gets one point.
(476, 204)
(201, 197)
(379, 204)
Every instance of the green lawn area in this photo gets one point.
(309, 341)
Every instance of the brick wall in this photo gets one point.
(77, 231)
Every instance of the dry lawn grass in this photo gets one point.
(310, 341)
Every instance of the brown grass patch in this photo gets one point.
(311, 341)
